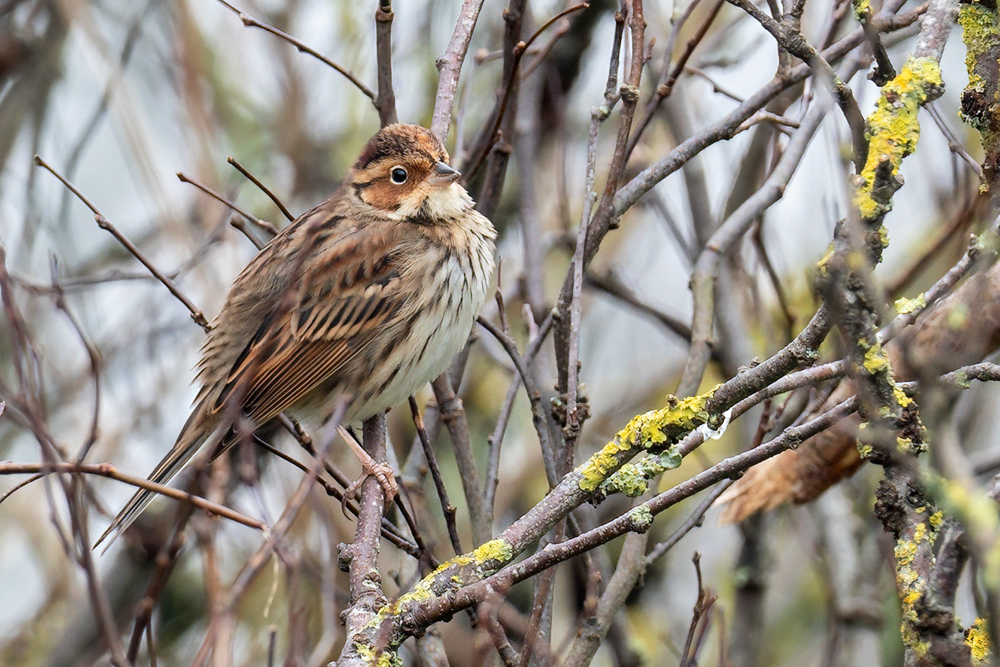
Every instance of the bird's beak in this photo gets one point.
(444, 175)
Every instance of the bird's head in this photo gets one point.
(404, 173)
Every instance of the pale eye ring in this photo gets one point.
(397, 175)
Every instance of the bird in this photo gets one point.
(362, 300)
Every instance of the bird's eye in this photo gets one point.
(398, 175)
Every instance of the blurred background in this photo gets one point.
(121, 95)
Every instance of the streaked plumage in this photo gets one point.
(370, 294)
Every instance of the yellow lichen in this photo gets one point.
(822, 267)
(875, 360)
(894, 128)
(380, 659)
(904, 551)
(977, 638)
(494, 550)
(906, 306)
(901, 397)
(668, 424)
(883, 235)
(907, 581)
(962, 379)
(906, 577)
(490, 553)
(920, 533)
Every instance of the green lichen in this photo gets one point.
(628, 480)
(670, 459)
(861, 7)
(649, 431)
(906, 306)
(979, 32)
(641, 518)
(632, 479)
(894, 129)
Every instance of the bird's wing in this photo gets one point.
(350, 291)
(345, 287)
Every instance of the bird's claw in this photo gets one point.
(382, 472)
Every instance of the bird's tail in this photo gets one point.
(194, 434)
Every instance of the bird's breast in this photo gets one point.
(426, 337)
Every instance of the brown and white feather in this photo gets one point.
(368, 295)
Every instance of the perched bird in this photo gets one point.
(368, 296)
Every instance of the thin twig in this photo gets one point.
(390, 531)
(92, 355)
(109, 471)
(386, 100)
(448, 509)
(496, 438)
(884, 71)
(629, 194)
(449, 67)
(534, 395)
(263, 224)
(670, 76)
(694, 520)
(263, 188)
(251, 22)
(104, 224)
(430, 610)
(275, 535)
(509, 86)
(453, 415)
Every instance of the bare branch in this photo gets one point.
(251, 22)
(104, 224)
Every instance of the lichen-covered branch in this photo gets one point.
(894, 131)
(656, 430)
(980, 108)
